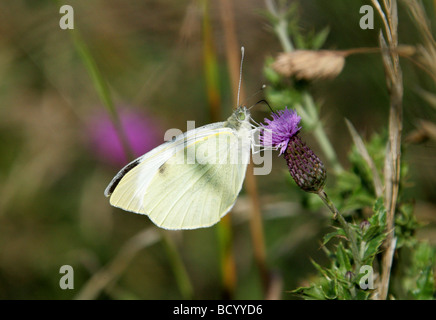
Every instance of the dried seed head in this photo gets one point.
(310, 64)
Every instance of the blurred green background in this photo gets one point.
(151, 53)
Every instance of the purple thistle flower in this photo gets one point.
(305, 167)
(280, 129)
(142, 132)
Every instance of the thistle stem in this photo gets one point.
(348, 231)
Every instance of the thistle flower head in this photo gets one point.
(305, 167)
(278, 131)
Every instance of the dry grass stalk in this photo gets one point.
(256, 223)
(427, 51)
(426, 130)
(429, 128)
(110, 273)
(394, 81)
(191, 25)
(275, 288)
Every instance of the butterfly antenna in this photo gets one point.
(266, 102)
(240, 74)
(263, 100)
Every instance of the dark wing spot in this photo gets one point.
(162, 168)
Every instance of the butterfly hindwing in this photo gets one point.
(193, 195)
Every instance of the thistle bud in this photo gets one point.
(305, 167)
(364, 225)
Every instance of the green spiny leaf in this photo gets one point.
(343, 259)
(362, 294)
(425, 285)
(328, 274)
(379, 217)
(373, 246)
(315, 292)
(338, 233)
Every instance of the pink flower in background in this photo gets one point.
(142, 132)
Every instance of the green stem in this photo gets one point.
(179, 270)
(320, 135)
(103, 91)
(101, 87)
(281, 27)
(282, 34)
(348, 231)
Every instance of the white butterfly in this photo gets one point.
(192, 181)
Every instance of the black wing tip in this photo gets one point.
(116, 180)
(113, 184)
(108, 191)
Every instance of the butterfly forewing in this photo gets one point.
(188, 196)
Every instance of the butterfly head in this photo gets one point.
(240, 116)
